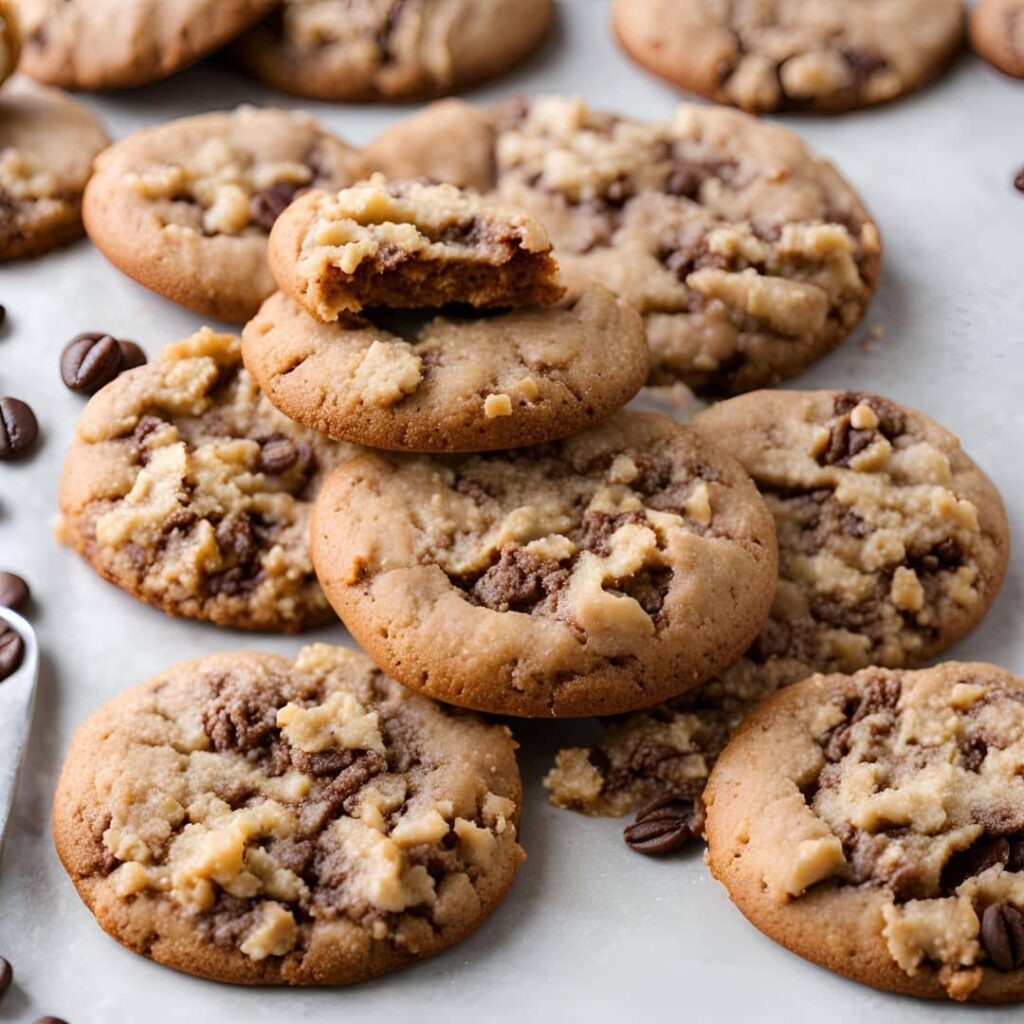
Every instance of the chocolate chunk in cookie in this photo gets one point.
(181, 488)
(185, 208)
(747, 254)
(255, 820)
(828, 55)
(890, 857)
(407, 245)
(496, 591)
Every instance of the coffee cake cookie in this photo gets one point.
(10, 40)
(892, 546)
(997, 34)
(185, 207)
(590, 576)
(407, 245)
(120, 44)
(764, 55)
(354, 50)
(747, 254)
(47, 146)
(450, 382)
(186, 488)
(255, 820)
(874, 824)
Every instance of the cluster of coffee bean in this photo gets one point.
(87, 363)
(7, 978)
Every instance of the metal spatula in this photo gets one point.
(17, 697)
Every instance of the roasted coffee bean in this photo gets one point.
(1002, 936)
(666, 823)
(1018, 182)
(18, 428)
(51, 1020)
(278, 456)
(6, 976)
(266, 206)
(3, 315)
(14, 592)
(91, 360)
(12, 650)
(978, 857)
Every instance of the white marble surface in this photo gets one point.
(589, 929)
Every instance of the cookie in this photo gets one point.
(185, 208)
(997, 34)
(255, 820)
(10, 40)
(874, 824)
(47, 146)
(354, 50)
(892, 546)
(590, 576)
(747, 254)
(114, 44)
(450, 382)
(186, 488)
(827, 55)
(407, 245)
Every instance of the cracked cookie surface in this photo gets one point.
(892, 546)
(450, 382)
(589, 576)
(764, 55)
(109, 44)
(748, 255)
(409, 245)
(873, 824)
(188, 489)
(256, 820)
(392, 49)
(997, 34)
(47, 146)
(202, 194)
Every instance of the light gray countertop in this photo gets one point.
(590, 929)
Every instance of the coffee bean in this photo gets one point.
(18, 428)
(3, 315)
(51, 1020)
(666, 823)
(1002, 936)
(91, 360)
(1018, 182)
(278, 456)
(6, 976)
(266, 206)
(14, 592)
(132, 355)
(12, 650)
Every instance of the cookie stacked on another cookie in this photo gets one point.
(892, 546)
(419, 317)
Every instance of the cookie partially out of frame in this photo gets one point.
(874, 824)
(255, 820)
(10, 40)
(892, 546)
(997, 34)
(450, 381)
(747, 254)
(765, 55)
(185, 208)
(47, 146)
(590, 576)
(357, 50)
(120, 44)
(186, 488)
